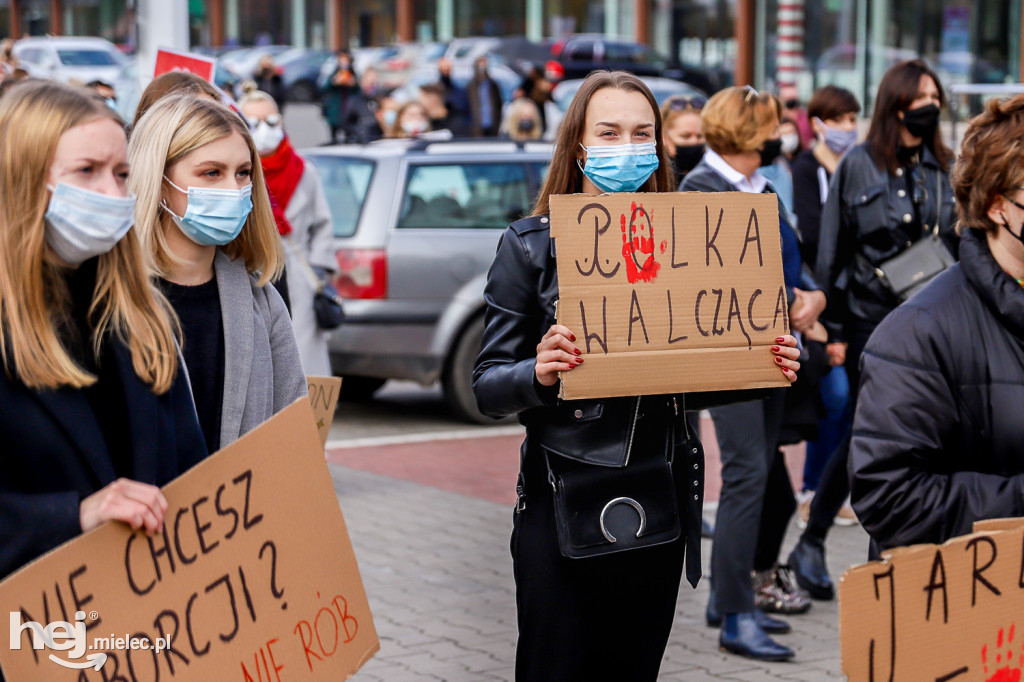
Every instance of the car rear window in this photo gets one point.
(86, 57)
(345, 180)
(465, 195)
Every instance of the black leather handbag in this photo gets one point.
(908, 272)
(604, 509)
(327, 306)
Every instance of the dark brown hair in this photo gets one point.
(832, 101)
(895, 93)
(990, 161)
(176, 82)
(564, 176)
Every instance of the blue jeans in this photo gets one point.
(832, 428)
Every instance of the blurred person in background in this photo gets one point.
(386, 114)
(456, 99)
(740, 128)
(8, 62)
(833, 112)
(432, 97)
(337, 88)
(97, 408)
(887, 193)
(522, 121)
(268, 79)
(304, 221)
(938, 440)
(484, 101)
(684, 140)
(778, 170)
(104, 90)
(204, 216)
(793, 109)
(412, 121)
(538, 88)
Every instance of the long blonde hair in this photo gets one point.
(34, 298)
(172, 128)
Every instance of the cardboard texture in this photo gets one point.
(189, 62)
(253, 578)
(323, 396)
(670, 292)
(938, 612)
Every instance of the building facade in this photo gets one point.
(765, 42)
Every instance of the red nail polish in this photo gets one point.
(572, 337)
(778, 360)
(781, 339)
(579, 361)
(578, 351)
(775, 349)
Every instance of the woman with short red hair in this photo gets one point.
(938, 439)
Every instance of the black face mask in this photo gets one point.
(687, 156)
(770, 151)
(1020, 236)
(921, 122)
(791, 103)
(526, 125)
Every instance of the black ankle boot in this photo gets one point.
(808, 563)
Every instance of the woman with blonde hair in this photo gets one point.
(741, 127)
(204, 215)
(522, 120)
(610, 140)
(96, 413)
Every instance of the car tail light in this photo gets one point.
(554, 71)
(362, 273)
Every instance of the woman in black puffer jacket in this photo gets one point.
(938, 440)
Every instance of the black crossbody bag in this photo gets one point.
(909, 271)
(602, 510)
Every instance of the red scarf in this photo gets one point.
(283, 169)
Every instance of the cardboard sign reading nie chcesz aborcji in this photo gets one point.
(938, 613)
(670, 292)
(252, 579)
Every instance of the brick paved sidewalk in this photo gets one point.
(434, 556)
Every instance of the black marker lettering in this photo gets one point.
(598, 231)
(976, 573)
(734, 311)
(709, 240)
(634, 304)
(247, 522)
(937, 567)
(675, 264)
(756, 238)
(587, 336)
(671, 322)
(696, 312)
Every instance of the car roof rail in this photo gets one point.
(465, 143)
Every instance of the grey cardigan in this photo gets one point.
(262, 370)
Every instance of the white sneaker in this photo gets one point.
(846, 515)
(803, 509)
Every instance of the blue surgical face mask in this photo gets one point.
(837, 140)
(214, 217)
(81, 224)
(620, 167)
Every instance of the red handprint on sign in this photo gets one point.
(638, 245)
(1009, 669)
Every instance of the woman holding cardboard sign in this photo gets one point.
(587, 611)
(204, 215)
(741, 129)
(97, 412)
(938, 439)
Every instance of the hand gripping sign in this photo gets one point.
(670, 292)
(252, 579)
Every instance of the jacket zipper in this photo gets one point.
(632, 431)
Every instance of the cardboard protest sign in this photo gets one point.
(670, 292)
(938, 612)
(252, 579)
(171, 60)
(323, 396)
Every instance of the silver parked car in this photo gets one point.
(416, 226)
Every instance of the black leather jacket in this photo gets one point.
(522, 288)
(865, 221)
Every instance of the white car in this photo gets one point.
(65, 58)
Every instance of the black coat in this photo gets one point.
(938, 440)
(867, 219)
(53, 455)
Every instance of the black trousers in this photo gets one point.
(748, 435)
(835, 479)
(600, 618)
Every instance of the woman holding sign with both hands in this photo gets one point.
(602, 614)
